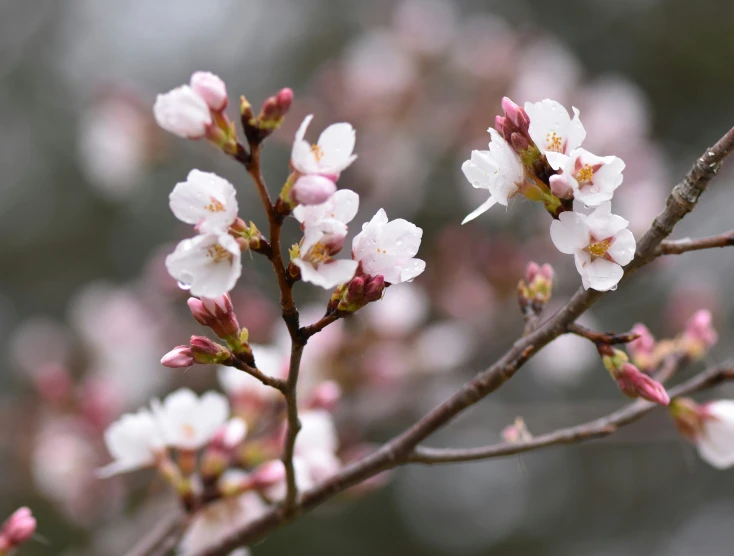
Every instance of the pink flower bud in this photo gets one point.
(374, 288)
(183, 112)
(532, 270)
(516, 115)
(178, 358)
(312, 190)
(560, 187)
(18, 528)
(217, 313)
(211, 88)
(326, 396)
(641, 349)
(699, 334)
(500, 126)
(519, 142)
(355, 289)
(198, 311)
(546, 271)
(284, 99)
(206, 352)
(634, 384)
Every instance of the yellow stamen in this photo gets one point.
(218, 253)
(318, 152)
(585, 174)
(318, 254)
(215, 205)
(599, 248)
(554, 142)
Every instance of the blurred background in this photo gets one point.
(87, 310)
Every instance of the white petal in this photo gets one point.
(327, 275)
(301, 131)
(401, 238)
(205, 199)
(576, 132)
(570, 232)
(603, 224)
(411, 269)
(198, 263)
(337, 143)
(182, 112)
(318, 432)
(623, 247)
(602, 275)
(716, 443)
(557, 161)
(481, 209)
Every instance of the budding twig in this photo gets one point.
(680, 202)
(679, 246)
(598, 428)
(267, 380)
(318, 326)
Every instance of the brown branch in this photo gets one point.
(318, 326)
(267, 380)
(680, 202)
(679, 246)
(608, 338)
(598, 428)
(294, 426)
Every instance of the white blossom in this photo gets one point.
(317, 443)
(330, 156)
(590, 179)
(205, 200)
(498, 170)
(552, 129)
(715, 442)
(183, 112)
(600, 243)
(388, 249)
(209, 264)
(320, 242)
(133, 441)
(188, 421)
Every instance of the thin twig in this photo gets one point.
(267, 380)
(318, 326)
(598, 428)
(679, 246)
(680, 202)
(167, 531)
(608, 338)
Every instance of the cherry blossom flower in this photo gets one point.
(388, 249)
(209, 264)
(330, 156)
(320, 241)
(205, 200)
(211, 89)
(586, 177)
(183, 112)
(709, 426)
(187, 421)
(134, 441)
(699, 334)
(600, 243)
(498, 170)
(552, 129)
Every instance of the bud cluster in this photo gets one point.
(630, 380)
(534, 291)
(271, 116)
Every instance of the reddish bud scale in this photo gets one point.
(205, 351)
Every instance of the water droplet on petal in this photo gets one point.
(614, 287)
(183, 285)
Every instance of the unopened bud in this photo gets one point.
(18, 528)
(312, 190)
(518, 142)
(268, 474)
(687, 416)
(642, 348)
(699, 334)
(537, 286)
(517, 432)
(634, 383)
(355, 290)
(178, 358)
(516, 115)
(217, 313)
(374, 288)
(206, 352)
(211, 88)
(273, 111)
(499, 125)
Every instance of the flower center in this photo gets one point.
(217, 253)
(215, 205)
(318, 254)
(598, 249)
(188, 431)
(383, 251)
(585, 174)
(318, 152)
(554, 142)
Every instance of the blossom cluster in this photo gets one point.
(209, 264)
(536, 152)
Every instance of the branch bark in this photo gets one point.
(680, 246)
(680, 202)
